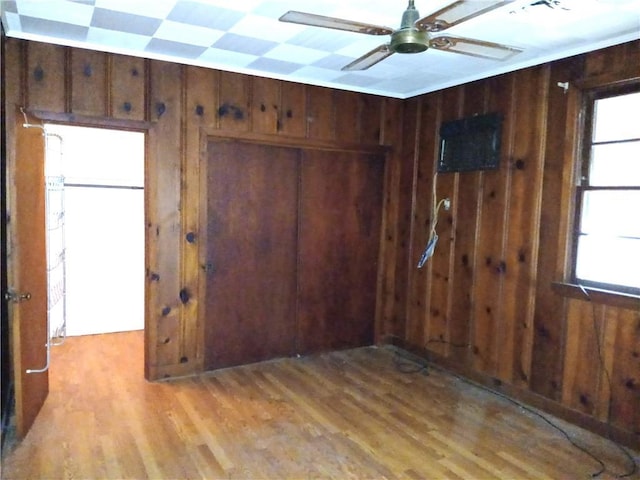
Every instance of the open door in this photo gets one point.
(27, 262)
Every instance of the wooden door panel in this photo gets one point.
(339, 236)
(251, 284)
(28, 275)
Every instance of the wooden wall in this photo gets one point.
(484, 304)
(179, 106)
(487, 290)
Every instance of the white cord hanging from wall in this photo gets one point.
(433, 236)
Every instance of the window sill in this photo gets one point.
(606, 297)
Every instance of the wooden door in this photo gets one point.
(340, 217)
(28, 276)
(251, 262)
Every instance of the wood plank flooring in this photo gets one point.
(350, 414)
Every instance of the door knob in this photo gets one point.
(16, 297)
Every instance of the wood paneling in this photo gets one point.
(450, 270)
(128, 87)
(625, 381)
(504, 243)
(181, 106)
(294, 110)
(89, 87)
(524, 167)
(320, 109)
(46, 77)
(265, 106)
(523, 341)
(200, 116)
(234, 105)
(164, 219)
(547, 346)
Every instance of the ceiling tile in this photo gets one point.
(274, 66)
(312, 38)
(264, 28)
(117, 41)
(243, 44)
(209, 16)
(332, 62)
(322, 75)
(175, 49)
(124, 22)
(155, 9)
(59, 30)
(218, 56)
(246, 36)
(9, 6)
(58, 11)
(191, 34)
(357, 79)
(301, 55)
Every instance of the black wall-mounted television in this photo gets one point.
(471, 143)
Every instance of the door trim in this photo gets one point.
(292, 142)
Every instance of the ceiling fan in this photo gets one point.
(416, 34)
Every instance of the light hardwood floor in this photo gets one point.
(349, 414)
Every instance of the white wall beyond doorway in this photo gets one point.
(104, 229)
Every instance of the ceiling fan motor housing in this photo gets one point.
(408, 39)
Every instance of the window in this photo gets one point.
(607, 226)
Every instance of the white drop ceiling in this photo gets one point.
(246, 36)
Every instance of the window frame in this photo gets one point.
(585, 144)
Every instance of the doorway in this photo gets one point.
(95, 230)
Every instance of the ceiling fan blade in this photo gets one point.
(475, 48)
(314, 20)
(457, 12)
(369, 59)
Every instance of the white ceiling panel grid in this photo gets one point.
(247, 37)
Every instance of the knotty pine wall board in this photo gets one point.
(506, 241)
(548, 332)
(89, 82)
(522, 224)
(201, 116)
(535, 340)
(179, 106)
(164, 217)
(389, 321)
(46, 80)
(624, 367)
(452, 271)
(127, 83)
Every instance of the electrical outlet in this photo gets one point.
(447, 204)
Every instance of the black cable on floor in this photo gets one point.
(412, 367)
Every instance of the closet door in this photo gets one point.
(250, 301)
(339, 237)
